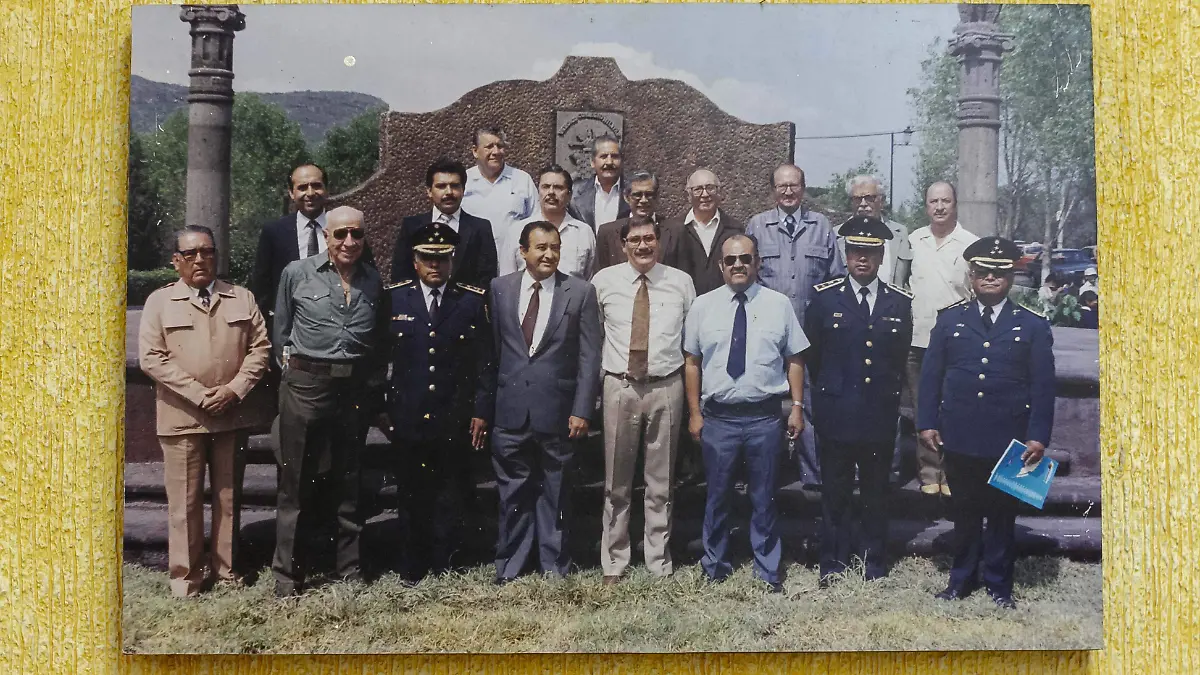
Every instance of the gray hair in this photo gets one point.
(639, 176)
(194, 229)
(863, 179)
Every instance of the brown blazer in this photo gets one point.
(610, 251)
(187, 350)
(689, 255)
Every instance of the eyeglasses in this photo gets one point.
(985, 273)
(744, 258)
(701, 189)
(192, 254)
(638, 241)
(854, 199)
(356, 232)
(789, 187)
(639, 196)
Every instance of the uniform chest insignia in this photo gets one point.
(837, 315)
(398, 285)
(960, 325)
(473, 289)
(1016, 328)
(404, 317)
(830, 284)
(893, 318)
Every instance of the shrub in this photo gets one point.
(142, 283)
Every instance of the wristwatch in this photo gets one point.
(797, 404)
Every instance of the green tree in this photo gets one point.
(831, 199)
(146, 237)
(350, 153)
(266, 146)
(933, 106)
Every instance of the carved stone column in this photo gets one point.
(210, 119)
(979, 46)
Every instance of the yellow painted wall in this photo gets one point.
(63, 107)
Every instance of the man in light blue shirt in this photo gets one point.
(742, 345)
(496, 191)
(798, 249)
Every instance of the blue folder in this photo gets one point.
(1031, 483)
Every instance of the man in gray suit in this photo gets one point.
(599, 200)
(546, 328)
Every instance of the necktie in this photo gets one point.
(443, 219)
(987, 317)
(639, 336)
(737, 346)
(863, 304)
(789, 225)
(434, 306)
(204, 297)
(531, 313)
(313, 226)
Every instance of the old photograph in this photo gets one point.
(612, 328)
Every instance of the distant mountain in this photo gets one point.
(316, 112)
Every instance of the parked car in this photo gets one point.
(1067, 264)
(1091, 251)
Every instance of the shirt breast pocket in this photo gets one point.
(816, 259)
(769, 254)
(315, 296)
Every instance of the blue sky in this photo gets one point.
(831, 69)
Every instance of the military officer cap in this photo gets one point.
(435, 239)
(864, 231)
(993, 253)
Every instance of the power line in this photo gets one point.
(879, 133)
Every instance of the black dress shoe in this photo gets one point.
(775, 588)
(287, 590)
(952, 593)
(1003, 601)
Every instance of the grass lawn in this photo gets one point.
(1059, 607)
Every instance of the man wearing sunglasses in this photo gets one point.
(743, 348)
(440, 399)
(204, 343)
(641, 194)
(987, 379)
(329, 328)
(643, 305)
(797, 250)
(860, 328)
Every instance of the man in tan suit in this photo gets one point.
(204, 343)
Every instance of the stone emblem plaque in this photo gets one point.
(573, 135)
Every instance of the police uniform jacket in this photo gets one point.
(857, 364)
(442, 372)
(982, 388)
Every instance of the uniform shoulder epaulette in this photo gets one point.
(473, 289)
(1031, 311)
(398, 285)
(168, 285)
(830, 284)
(955, 304)
(899, 290)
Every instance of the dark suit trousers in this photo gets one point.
(838, 463)
(992, 548)
(321, 430)
(429, 475)
(531, 475)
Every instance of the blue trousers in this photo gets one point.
(989, 551)
(758, 440)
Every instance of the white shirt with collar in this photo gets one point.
(544, 302)
(706, 232)
(302, 234)
(427, 291)
(454, 218)
(671, 294)
(577, 256)
(872, 291)
(940, 277)
(512, 197)
(996, 309)
(608, 205)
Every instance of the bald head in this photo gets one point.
(344, 235)
(704, 193)
(344, 216)
(941, 205)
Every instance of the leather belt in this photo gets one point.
(328, 369)
(648, 380)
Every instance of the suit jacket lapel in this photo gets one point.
(448, 301)
(465, 231)
(558, 307)
(1004, 320)
(513, 332)
(973, 318)
(417, 296)
(849, 301)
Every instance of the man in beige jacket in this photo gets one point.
(204, 343)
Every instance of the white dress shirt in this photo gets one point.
(608, 204)
(671, 294)
(437, 215)
(543, 315)
(512, 197)
(577, 256)
(706, 232)
(427, 291)
(996, 309)
(302, 234)
(940, 277)
(872, 292)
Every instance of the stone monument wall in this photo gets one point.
(665, 125)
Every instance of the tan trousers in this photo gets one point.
(929, 463)
(184, 459)
(639, 416)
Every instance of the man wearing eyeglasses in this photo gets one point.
(987, 379)
(743, 348)
(797, 250)
(204, 343)
(641, 194)
(867, 200)
(328, 323)
(643, 305)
